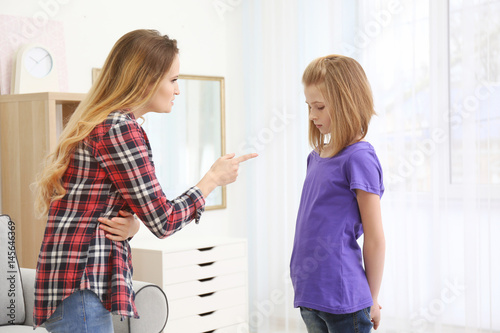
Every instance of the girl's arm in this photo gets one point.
(120, 228)
(373, 247)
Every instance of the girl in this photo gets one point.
(340, 201)
(101, 165)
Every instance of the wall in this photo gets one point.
(207, 34)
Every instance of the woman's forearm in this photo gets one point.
(206, 185)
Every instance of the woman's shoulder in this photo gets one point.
(119, 117)
(119, 121)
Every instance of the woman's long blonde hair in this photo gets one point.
(346, 90)
(129, 78)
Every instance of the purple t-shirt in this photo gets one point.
(326, 266)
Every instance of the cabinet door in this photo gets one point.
(28, 130)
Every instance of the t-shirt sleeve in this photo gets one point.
(364, 172)
(124, 154)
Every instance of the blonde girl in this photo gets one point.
(336, 283)
(103, 165)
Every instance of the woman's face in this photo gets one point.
(319, 112)
(163, 99)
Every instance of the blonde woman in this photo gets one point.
(103, 165)
(340, 201)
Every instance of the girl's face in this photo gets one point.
(163, 99)
(319, 112)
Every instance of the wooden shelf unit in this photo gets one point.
(29, 127)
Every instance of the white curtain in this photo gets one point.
(275, 119)
(434, 67)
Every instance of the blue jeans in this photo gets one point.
(82, 312)
(324, 322)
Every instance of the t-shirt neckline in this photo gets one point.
(340, 152)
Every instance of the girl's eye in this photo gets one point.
(321, 107)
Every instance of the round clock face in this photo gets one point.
(38, 62)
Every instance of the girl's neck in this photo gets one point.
(327, 148)
(357, 139)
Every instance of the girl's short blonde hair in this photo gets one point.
(347, 93)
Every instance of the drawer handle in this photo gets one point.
(206, 264)
(205, 248)
(206, 314)
(212, 331)
(207, 279)
(207, 294)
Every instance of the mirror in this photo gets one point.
(186, 142)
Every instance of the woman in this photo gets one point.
(101, 165)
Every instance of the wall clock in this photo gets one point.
(34, 70)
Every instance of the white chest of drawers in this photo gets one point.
(205, 281)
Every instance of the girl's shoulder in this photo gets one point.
(355, 148)
(360, 145)
(360, 149)
(363, 155)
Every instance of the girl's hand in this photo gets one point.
(120, 228)
(375, 314)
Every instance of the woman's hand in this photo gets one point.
(224, 171)
(120, 228)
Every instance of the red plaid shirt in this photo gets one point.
(111, 170)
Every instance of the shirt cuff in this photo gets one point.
(199, 202)
(138, 219)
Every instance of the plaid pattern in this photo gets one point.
(111, 171)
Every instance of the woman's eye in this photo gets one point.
(321, 107)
